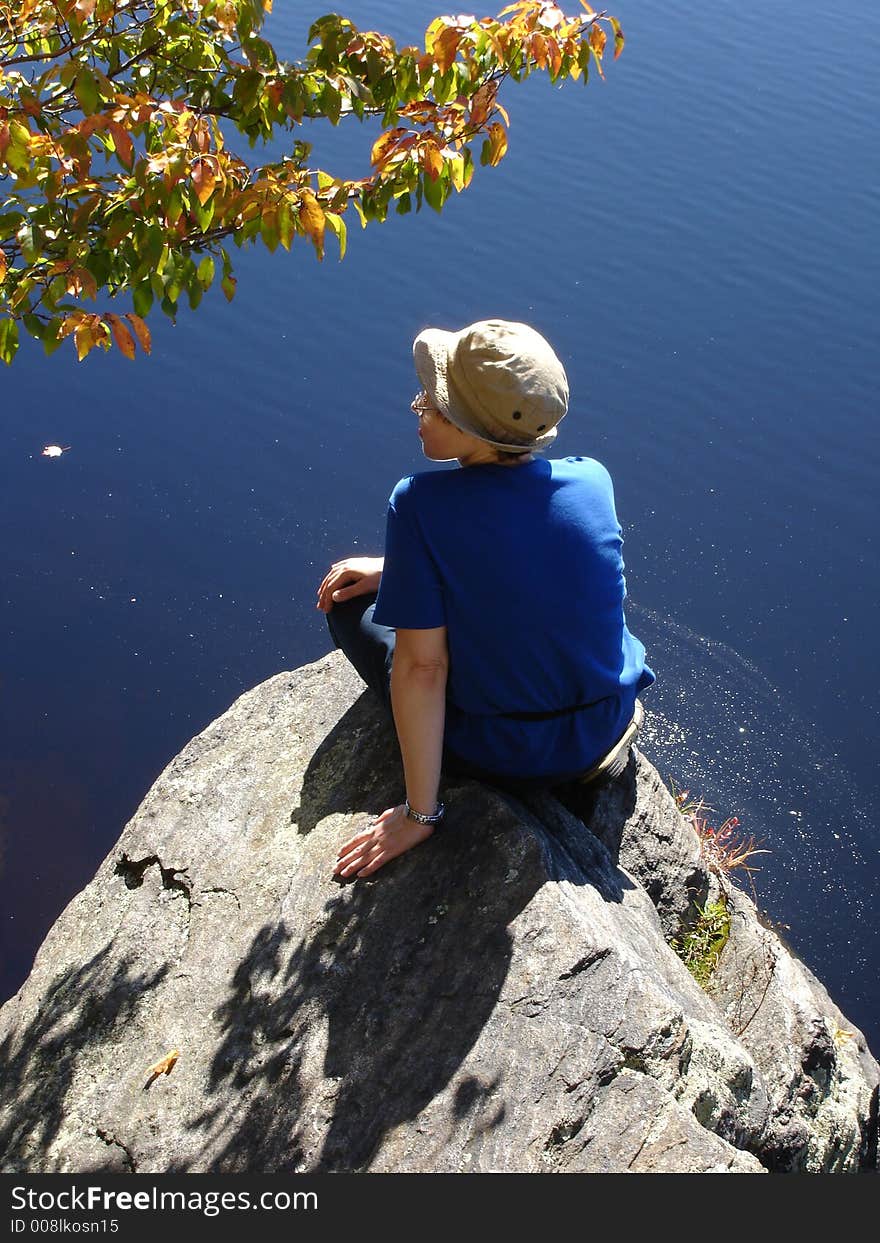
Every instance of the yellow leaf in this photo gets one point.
(84, 339)
(141, 331)
(456, 171)
(337, 225)
(3, 267)
(165, 1065)
(312, 218)
(497, 143)
(597, 38)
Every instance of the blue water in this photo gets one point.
(695, 237)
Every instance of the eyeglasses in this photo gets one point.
(421, 404)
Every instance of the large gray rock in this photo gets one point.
(501, 999)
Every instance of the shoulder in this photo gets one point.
(421, 488)
(580, 467)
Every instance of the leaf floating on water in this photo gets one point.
(54, 450)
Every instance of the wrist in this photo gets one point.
(421, 817)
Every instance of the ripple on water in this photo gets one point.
(719, 728)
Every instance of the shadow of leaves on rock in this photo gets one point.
(38, 1063)
(350, 769)
(333, 1038)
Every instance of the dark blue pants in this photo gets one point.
(370, 649)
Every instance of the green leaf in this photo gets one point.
(356, 203)
(142, 298)
(331, 103)
(86, 90)
(436, 192)
(8, 340)
(205, 271)
(337, 225)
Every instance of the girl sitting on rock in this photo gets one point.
(493, 628)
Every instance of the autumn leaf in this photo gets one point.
(618, 36)
(3, 267)
(141, 331)
(121, 335)
(538, 49)
(122, 142)
(312, 219)
(165, 1065)
(383, 145)
(497, 143)
(444, 46)
(203, 180)
(482, 103)
(84, 339)
(597, 38)
(432, 160)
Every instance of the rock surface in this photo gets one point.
(501, 999)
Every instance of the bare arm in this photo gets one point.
(418, 699)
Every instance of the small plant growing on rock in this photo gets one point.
(724, 848)
(700, 947)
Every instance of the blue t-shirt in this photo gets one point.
(523, 566)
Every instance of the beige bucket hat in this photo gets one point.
(497, 380)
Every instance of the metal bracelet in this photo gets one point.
(421, 818)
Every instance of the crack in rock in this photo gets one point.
(112, 1142)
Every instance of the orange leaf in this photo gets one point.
(444, 47)
(141, 331)
(538, 49)
(165, 1065)
(597, 39)
(122, 142)
(3, 267)
(203, 180)
(121, 335)
(483, 102)
(383, 145)
(432, 160)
